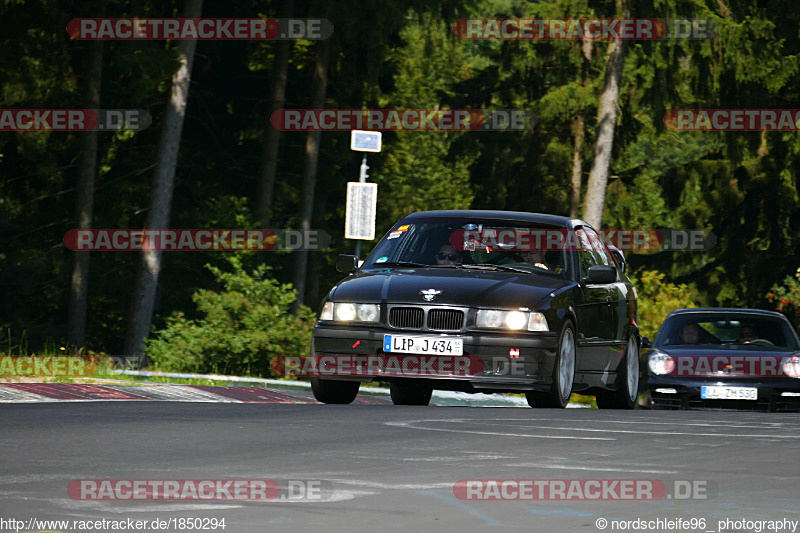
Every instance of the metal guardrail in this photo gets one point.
(268, 383)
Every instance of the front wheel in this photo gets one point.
(627, 381)
(563, 373)
(333, 391)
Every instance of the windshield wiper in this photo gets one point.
(489, 266)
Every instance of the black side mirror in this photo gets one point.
(601, 274)
(646, 343)
(346, 263)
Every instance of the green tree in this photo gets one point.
(658, 298)
(419, 172)
(241, 327)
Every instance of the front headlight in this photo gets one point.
(516, 320)
(489, 318)
(513, 320)
(660, 363)
(791, 366)
(368, 312)
(350, 312)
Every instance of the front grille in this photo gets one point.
(406, 317)
(445, 319)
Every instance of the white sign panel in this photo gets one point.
(359, 221)
(365, 141)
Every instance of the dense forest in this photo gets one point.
(213, 159)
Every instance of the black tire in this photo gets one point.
(405, 393)
(538, 399)
(334, 391)
(626, 394)
(563, 373)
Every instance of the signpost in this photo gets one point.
(359, 221)
(362, 197)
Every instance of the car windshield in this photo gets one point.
(734, 330)
(470, 243)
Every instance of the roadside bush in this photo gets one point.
(658, 298)
(786, 297)
(243, 326)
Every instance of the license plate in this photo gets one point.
(729, 393)
(423, 345)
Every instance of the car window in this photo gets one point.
(599, 248)
(451, 242)
(727, 329)
(587, 256)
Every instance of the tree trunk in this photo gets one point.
(606, 120)
(84, 200)
(315, 263)
(271, 139)
(579, 131)
(310, 169)
(144, 295)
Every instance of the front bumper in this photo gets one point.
(774, 394)
(510, 362)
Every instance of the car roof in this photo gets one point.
(723, 310)
(553, 220)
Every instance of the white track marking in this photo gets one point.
(593, 469)
(410, 425)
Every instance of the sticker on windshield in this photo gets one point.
(382, 259)
(404, 228)
(395, 234)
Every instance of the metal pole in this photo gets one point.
(362, 177)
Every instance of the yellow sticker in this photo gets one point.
(404, 228)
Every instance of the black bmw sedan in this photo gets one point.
(527, 302)
(725, 359)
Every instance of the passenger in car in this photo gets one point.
(747, 333)
(536, 258)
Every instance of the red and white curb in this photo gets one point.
(78, 392)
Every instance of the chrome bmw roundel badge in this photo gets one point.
(429, 294)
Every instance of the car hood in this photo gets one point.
(459, 287)
(727, 361)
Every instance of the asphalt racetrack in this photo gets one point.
(387, 468)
